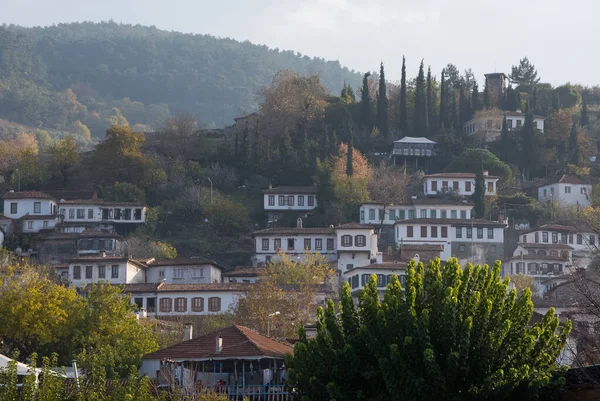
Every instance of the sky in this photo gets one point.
(558, 36)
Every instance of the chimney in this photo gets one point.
(299, 222)
(188, 332)
(219, 344)
(379, 257)
(11, 191)
(486, 173)
(102, 254)
(143, 313)
(270, 186)
(417, 258)
(519, 111)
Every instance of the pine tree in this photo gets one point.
(365, 105)
(479, 196)
(574, 145)
(486, 97)
(403, 112)
(420, 114)
(349, 159)
(443, 101)
(464, 108)
(382, 104)
(585, 119)
(429, 98)
(475, 101)
(351, 94)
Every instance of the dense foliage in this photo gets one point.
(450, 334)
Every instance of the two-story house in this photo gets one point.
(487, 124)
(54, 246)
(115, 270)
(296, 201)
(96, 214)
(356, 246)
(462, 184)
(415, 149)
(29, 211)
(564, 189)
(193, 270)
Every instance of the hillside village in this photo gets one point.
(203, 227)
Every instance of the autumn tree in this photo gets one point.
(388, 186)
(177, 134)
(287, 286)
(65, 156)
(451, 334)
(13, 151)
(140, 247)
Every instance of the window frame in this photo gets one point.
(410, 232)
(360, 240)
(330, 244)
(300, 200)
(265, 244)
(14, 207)
(311, 200)
(271, 200)
(214, 304)
(318, 244)
(37, 207)
(165, 304)
(180, 304)
(101, 271)
(76, 272)
(423, 231)
(307, 244)
(346, 240)
(113, 269)
(197, 304)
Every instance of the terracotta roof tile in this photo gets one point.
(27, 195)
(356, 226)
(68, 195)
(244, 271)
(310, 190)
(165, 287)
(459, 175)
(545, 246)
(453, 222)
(84, 234)
(295, 231)
(100, 202)
(38, 217)
(384, 265)
(141, 287)
(238, 342)
(193, 261)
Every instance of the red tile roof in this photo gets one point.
(383, 266)
(536, 257)
(356, 226)
(164, 287)
(26, 195)
(295, 231)
(310, 190)
(68, 195)
(459, 175)
(38, 217)
(545, 246)
(100, 202)
(193, 261)
(558, 227)
(244, 271)
(238, 342)
(453, 222)
(422, 247)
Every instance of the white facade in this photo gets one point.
(189, 273)
(35, 224)
(293, 241)
(87, 212)
(356, 246)
(17, 208)
(197, 302)
(84, 271)
(290, 199)
(582, 241)
(417, 233)
(516, 120)
(359, 277)
(568, 194)
(370, 213)
(461, 183)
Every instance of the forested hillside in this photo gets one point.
(82, 77)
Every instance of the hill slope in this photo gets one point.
(143, 72)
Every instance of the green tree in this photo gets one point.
(226, 216)
(585, 118)
(512, 102)
(524, 74)
(486, 97)
(349, 157)
(65, 156)
(443, 102)
(555, 101)
(568, 96)
(465, 109)
(430, 100)
(365, 104)
(475, 101)
(574, 152)
(403, 109)
(451, 334)
(382, 104)
(125, 192)
(473, 160)
(421, 122)
(479, 196)
(507, 145)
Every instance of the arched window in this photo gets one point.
(564, 254)
(360, 240)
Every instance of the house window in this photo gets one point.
(545, 193)
(444, 185)
(444, 232)
(214, 304)
(411, 214)
(161, 273)
(392, 214)
(434, 186)
(318, 244)
(579, 239)
(101, 271)
(291, 244)
(362, 215)
(381, 214)
(180, 304)
(524, 239)
(490, 233)
(554, 254)
(265, 244)
(166, 304)
(519, 122)
(371, 214)
(423, 231)
(582, 190)
(433, 214)
(433, 231)
(281, 200)
(307, 244)
(592, 239)
(45, 224)
(277, 244)
(81, 213)
(453, 214)
(300, 200)
(76, 272)
(563, 238)
(571, 239)
(114, 271)
(346, 240)
(455, 186)
(555, 238)
(138, 214)
(271, 203)
(311, 200)
(468, 186)
(13, 208)
(330, 244)
(480, 232)
(463, 214)
(545, 237)
(37, 207)
(290, 200)
(459, 232)
(90, 214)
(381, 280)
(71, 213)
(469, 232)
(444, 214)
(490, 187)
(30, 225)
(88, 272)
(198, 272)
(423, 213)
(127, 214)
(567, 189)
(198, 304)
(409, 231)
(177, 273)
(360, 240)
(461, 248)
(537, 238)
(509, 124)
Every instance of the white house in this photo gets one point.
(583, 240)
(516, 119)
(183, 271)
(243, 274)
(78, 215)
(358, 277)
(565, 189)
(297, 199)
(461, 183)
(35, 211)
(356, 246)
(115, 270)
(428, 208)
(487, 124)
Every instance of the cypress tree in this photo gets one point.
(452, 113)
(365, 104)
(486, 97)
(443, 101)
(506, 149)
(464, 108)
(351, 95)
(333, 143)
(420, 114)
(245, 151)
(256, 154)
(479, 196)
(475, 101)
(574, 145)
(534, 100)
(529, 143)
(344, 93)
(512, 102)
(382, 104)
(429, 97)
(555, 102)
(403, 113)
(349, 160)
(585, 119)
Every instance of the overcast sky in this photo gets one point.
(558, 36)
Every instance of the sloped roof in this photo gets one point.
(165, 287)
(238, 342)
(414, 139)
(295, 231)
(453, 222)
(460, 175)
(545, 246)
(382, 266)
(81, 235)
(311, 190)
(71, 195)
(244, 271)
(355, 226)
(556, 227)
(26, 195)
(97, 202)
(193, 261)
(564, 179)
